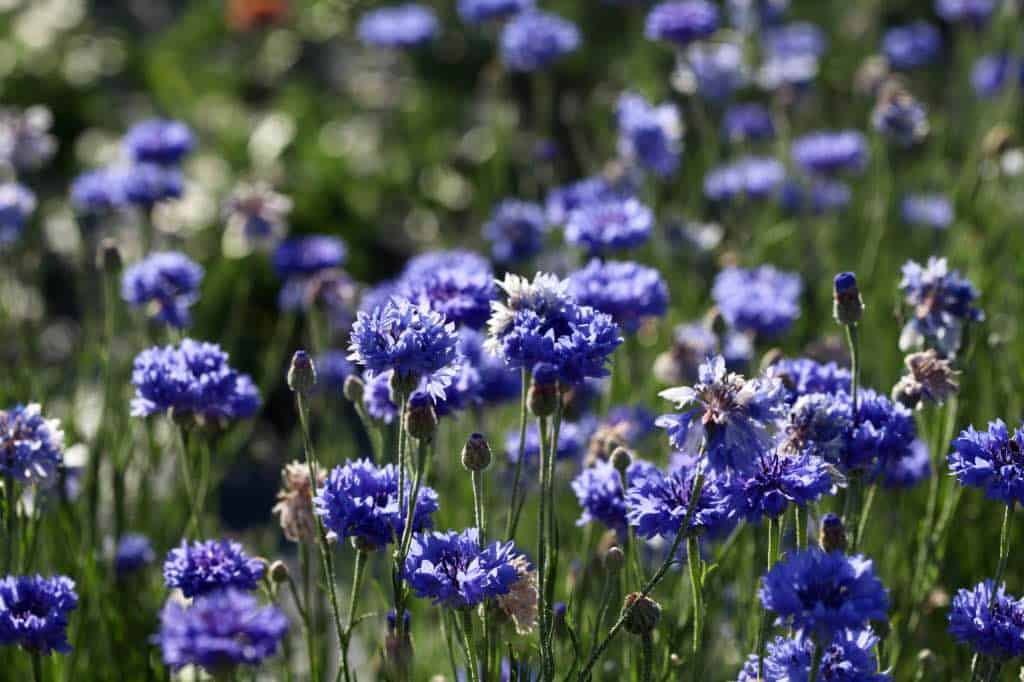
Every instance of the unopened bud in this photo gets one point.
(614, 559)
(642, 614)
(279, 571)
(621, 460)
(108, 258)
(848, 308)
(833, 534)
(302, 373)
(353, 388)
(402, 385)
(420, 418)
(543, 395)
(476, 453)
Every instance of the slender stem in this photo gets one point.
(1004, 547)
(774, 539)
(852, 342)
(190, 485)
(800, 518)
(11, 512)
(865, 513)
(304, 616)
(478, 506)
(812, 674)
(516, 505)
(403, 402)
(542, 547)
(467, 642)
(647, 658)
(353, 599)
(37, 667)
(325, 553)
(694, 563)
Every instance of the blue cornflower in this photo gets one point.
(599, 491)
(159, 141)
(733, 417)
(562, 201)
(818, 197)
(973, 12)
(377, 397)
(802, 376)
(572, 439)
(927, 210)
(748, 123)
(900, 118)
(748, 178)
(360, 500)
(649, 135)
(458, 284)
(413, 340)
(17, 204)
(304, 256)
(941, 302)
(884, 431)
(210, 565)
(988, 620)
(790, 53)
(583, 352)
(610, 224)
(479, 11)
(992, 460)
(913, 45)
(627, 291)
(631, 423)
(656, 505)
(712, 70)
(681, 21)
(821, 594)
(147, 184)
(533, 40)
(820, 424)
(516, 231)
(777, 480)
(219, 631)
(828, 153)
(399, 26)
(848, 658)
(34, 612)
(497, 383)
(332, 368)
(191, 379)
(990, 73)
(763, 300)
(133, 553)
(167, 283)
(908, 471)
(453, 571)
(31, 446)
(97, 191)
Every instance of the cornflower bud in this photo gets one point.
(353, 388)
(543, 395)
(420, 419)
(301, 373)
(848, 308)
(476, 453)
(644, 615)
(833, 534)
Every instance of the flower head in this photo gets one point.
(779, 479)
(649, 135)
(479, 11)
(34, 612)
(609, 225)
(206, 566)
(562, 201)
(712, 70)
(819, 424)
(31, 446)
(912, 45)
(521, 601)
(900, 117)
(133, 553)
(821, 594)
(681, 21)
(304, 256)
(377, 397)
(516, 231)
(790, 53)
(828, 153)
(762, 300)
(883, 431)
(992, 460)
(457, 284)
(17, 204)
(601, 495)
(988, 620)
(627, 291)
(802, 376)
(749, 178)
(192, 379)
(258, 213)
(908, 471)
(452, 569)
(733, 417)
(399, 26)
(927, 210)
(941, 302)
(360, 500)
(219, 631)
(657, 504)
(147, 184)
(748, 122)
(496, 383)
(167, 282)
(847, 658)
(533, 40)
(973, 12)
(930, 379)
(160, 141)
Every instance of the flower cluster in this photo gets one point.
(763, 300)
(205, 566)
(452, 570)
(31, 446)
(34, 612)
(167, 283)
(457, 284)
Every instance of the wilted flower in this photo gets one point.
(258, 213)
(900, 117)
(210, 566)
(34, 612)
(988, 620)
(941, 302)
(930, 379)
(763, 300)
(533, 40)
(31, 446)
(520, 603)
(628, 291)
(452, 570)
(167, 283)
(399, 26)
(992, 460)
(295, 503)
(649, 135)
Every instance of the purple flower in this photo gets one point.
(821, 594)
(480, 11)
(599, 491)
(848, 658)
(681, 21)
(828, 153)
(732, 420)
(990, 73)
(31, 446)
(516, 231)
(763, 300)
(159, 141)
(927, 210)
(656, 505)
(97, 191)
(609, 225)
(562, 201)
(791, 53)
(34, 612)
(884, 431)
(912, 45)
(167, 283)
(17, 204)
(360, 500)
(192, 379)
(133, 553)
(457, 284)
(453, 571)
(909, 470)
(147, 184)
(777, 480)
(941, 303)
(219, 631)
(649, 135)
(207, 566)
(377, 397)
(748, 178)
(988, 620)
(533, 40)
(972, 12)
(304, 256)
(900, 118)
(496, 382)
(818, 197)
(627, 291)
(713, 70)
(802, 376)
(748, 123)
(399, 26)
(992, 460)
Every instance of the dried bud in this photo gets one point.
(302, 373)
(420, 418)
(279, 571)
(908, 392)
(543, 395)
(848, 308)
(520, 602)
(353, 388)
(614, 560)
(833, 534)
(108, 259)
(621, 460)
(295, 503)
(643, 614)
(476, 453)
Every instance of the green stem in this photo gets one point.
(800, 518)
(812, 674)
(516, 506)
(865, 513)
(11, 512)
(852, 342)
(477, 478)
(467, 642)
(694, 563)
(542, 546)
(353, 599)
(774, 542)
(37, 667)
(190, 485)
(304, 616)
(647, 658)
(1004, 547)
